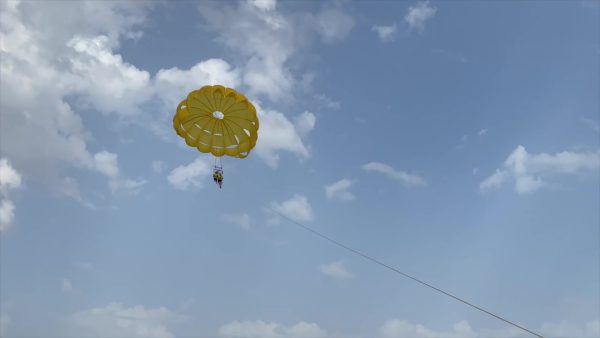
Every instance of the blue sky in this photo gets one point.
(458, 141)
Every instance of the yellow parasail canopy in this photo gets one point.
(217, 120)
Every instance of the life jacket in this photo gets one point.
(217, 175)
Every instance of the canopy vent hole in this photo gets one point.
(218, 115)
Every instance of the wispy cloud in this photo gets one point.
(464, 139)
(386, 33)
(296, 208)
(335, 270)
(453, 55)
(339, 190)
(68, 288)
(158, 166)
(70, 187)
(328, 102)
(87, 266)
(415, 19)
(241, 220)
(107, 164)
(463, 142)
(418, 15)
(406, 179)
(259, 328)
(590, 123)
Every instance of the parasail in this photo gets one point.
(217, 120)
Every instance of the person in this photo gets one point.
(218, 177)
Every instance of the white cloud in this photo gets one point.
(126, 184)
(67, 55)
(277, 133)
(173, 84)
(116, 320)
(403, 328)
(334, 25)
(462, 329)
(115, 20)
(261, 329)
(158, 166)
(269, 39)
(531, 171)
(305, 123)
(266, 40)
(482, 132)
(296, 208)
(566, 329)
(418, 15)
(335, 270)
(10, 179)
(7, 214)
(495, 180)
(406, 179)
(339, 190)
(106, 163)
(265, 5)
(386, 33)
(58, 57)
(190, 176)
(104, 80)
(59, 50)
(242, 220)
